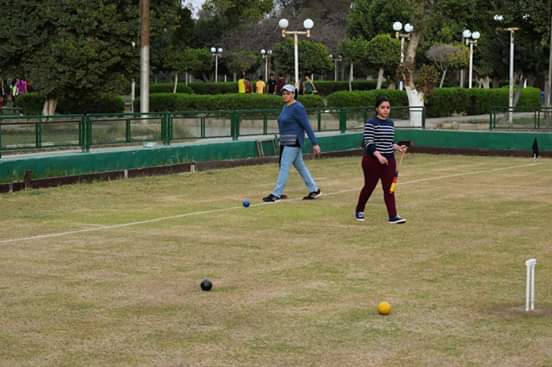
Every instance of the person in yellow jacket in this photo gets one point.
(241, 85)
(260, 86)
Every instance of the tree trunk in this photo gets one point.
(351, 78)
(415, 104)
(380, 78)
(486, 82)
(443, 78)
(175, 82)
(49, 107)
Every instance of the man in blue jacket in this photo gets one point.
(293, 123)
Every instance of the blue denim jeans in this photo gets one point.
(292, 155)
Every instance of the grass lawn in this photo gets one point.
(108, 274)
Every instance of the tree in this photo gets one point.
(195, 61)
(446, 56)
(383, 52)
(239, 62)
(354, 50)
(314, 57)
(368, 18)
(77, 48)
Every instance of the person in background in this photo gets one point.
(293, 123)
(271, 84)
(248, 85)
(260, 86)
(21, 86)
(378, 161)
(279, 84)
(308, 86)
(241, 84)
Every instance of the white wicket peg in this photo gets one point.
(530, 285)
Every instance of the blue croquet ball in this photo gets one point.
(206, 285)
(245, 203)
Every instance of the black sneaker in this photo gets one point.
(396, 220)
(313, 195)
(271, 199)
(283, 197)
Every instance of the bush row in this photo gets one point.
(443, 101)
(188, 102)
(366, 98)
(324, 87)
(450, 101)
(31, 104)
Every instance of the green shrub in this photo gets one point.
(326, 87)
(215, 88)
(477, 101)
(167, 88)
(188, 102)
(366, 98)
(103, 104)
(442, 101)
(32, 103)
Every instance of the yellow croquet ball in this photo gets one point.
(384, 308)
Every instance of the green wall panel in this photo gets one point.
(12, 168)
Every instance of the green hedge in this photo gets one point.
(161, 102)
(167, 88)
(32, 103)
(366, 98)
(324, 87)
(215, 88)
(449, 101)
(443, 101)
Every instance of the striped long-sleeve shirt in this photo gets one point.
(379, 135)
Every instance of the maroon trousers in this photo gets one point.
(373, 172)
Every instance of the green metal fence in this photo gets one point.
(520, 118)
(41, 133)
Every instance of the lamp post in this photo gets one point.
(408, 28)
(216, 52)
(500, 18)
(266, 55)
(471, 39)
(132, 85)
(308, 24)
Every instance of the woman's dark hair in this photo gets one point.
(382, 99)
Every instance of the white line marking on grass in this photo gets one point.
(443, 177)
(220, 210)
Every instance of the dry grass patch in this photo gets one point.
(295, 283)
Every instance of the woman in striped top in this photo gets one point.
(378, 161)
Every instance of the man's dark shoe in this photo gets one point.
(313, 195)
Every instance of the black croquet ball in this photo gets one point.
(206, 285)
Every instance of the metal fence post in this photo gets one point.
(88, 134)
(319, 119)
(38, 133)
(235, 125)
(128, 136)
(342, 120)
